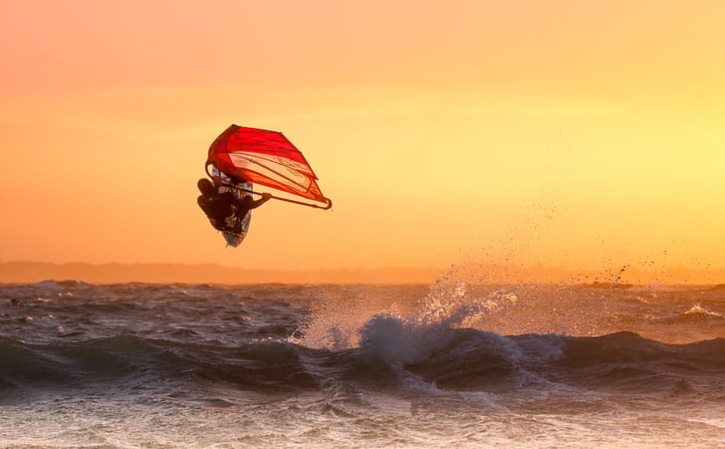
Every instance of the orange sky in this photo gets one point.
(575, 133)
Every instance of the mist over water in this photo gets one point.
(456, 363)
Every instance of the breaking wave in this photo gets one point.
(391, 352)
(452, 337)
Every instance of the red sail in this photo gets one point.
(266, 158)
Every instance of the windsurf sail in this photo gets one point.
(265, 158)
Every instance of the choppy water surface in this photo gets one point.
(452, 365)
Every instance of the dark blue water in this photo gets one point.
(170, 366)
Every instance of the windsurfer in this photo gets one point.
(224, 210)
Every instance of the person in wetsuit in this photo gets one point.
(224, 210)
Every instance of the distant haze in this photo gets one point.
(21, 272)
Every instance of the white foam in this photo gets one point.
(697, 309)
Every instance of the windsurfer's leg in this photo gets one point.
(203, 202)
(206, 187)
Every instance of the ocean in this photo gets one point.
(452, 364)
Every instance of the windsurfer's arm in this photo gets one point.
(248, 203)
(256, 203)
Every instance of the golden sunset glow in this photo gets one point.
(566, 133)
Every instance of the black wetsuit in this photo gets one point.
(225, 211)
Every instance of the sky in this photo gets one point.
(585, 134)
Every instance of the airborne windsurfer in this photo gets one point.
(242, 157)
(225, 210)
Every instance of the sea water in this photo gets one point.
(449, 365)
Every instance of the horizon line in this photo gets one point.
(216, 273)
